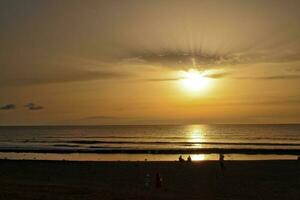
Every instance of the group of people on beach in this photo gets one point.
(181, 159)
(189, 159)
(158, 177)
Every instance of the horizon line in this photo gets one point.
(157, 124)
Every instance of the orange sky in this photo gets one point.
(123, 62)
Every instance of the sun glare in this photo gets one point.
(194, 81)
(198, 157)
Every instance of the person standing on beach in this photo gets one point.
(221, 160)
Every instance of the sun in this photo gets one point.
(194, 81)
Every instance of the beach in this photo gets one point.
(37, 179)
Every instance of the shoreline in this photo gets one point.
(202, 162)
(194, 162)
(140, 157)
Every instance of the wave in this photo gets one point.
(184, 143)
(70, 142)
(175, 137)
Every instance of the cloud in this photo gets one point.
(158, 34)
(215, 75)
(287, 101)
(294, 70)
(277, 77)
(75, 76)
(58, 74)
(263, 101)
(32, 106)
(180, 59)
(8, 107)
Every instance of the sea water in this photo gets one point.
(93, 142)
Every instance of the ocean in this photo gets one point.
(150, 142)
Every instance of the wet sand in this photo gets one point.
(126, 180)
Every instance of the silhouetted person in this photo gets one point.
(221, 161)
(158, 180)
(189, 159)
(180, 159)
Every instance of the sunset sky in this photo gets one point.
(149, 62)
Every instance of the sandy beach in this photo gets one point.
(126, 180)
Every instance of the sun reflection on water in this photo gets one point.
(198, 157)
(195, 135)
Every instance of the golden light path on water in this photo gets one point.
(198, 157)
(195, 135)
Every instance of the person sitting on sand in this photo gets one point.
(189, 159)
(180, 159)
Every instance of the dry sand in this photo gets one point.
(126, 180)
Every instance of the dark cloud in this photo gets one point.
(212, 75)
(180, 59)
(277, 77)
(8, 107)
(202, 49)
(202, 60)
(32, 106)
